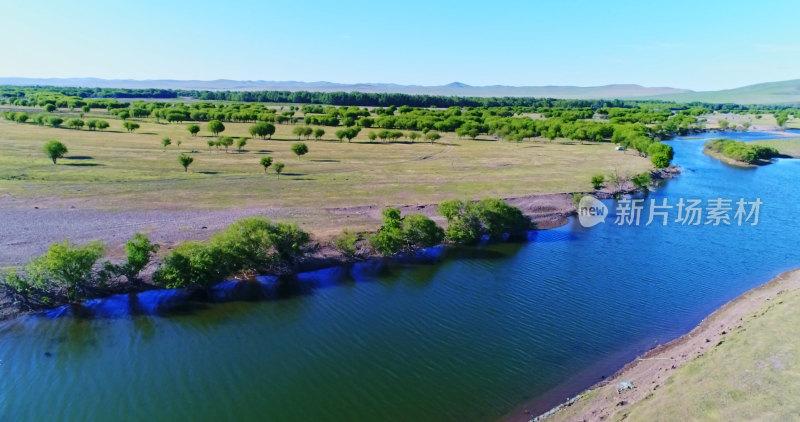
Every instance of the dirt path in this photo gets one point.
(647, 373)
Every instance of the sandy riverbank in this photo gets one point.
(651, 371)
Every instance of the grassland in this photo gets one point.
(740, 364)
(786, 146)
(116, 170)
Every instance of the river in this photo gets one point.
(466, 334)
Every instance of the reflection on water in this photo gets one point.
(458, 334)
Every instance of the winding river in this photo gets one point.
(458, 335)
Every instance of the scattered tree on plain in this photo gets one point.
(193, 129)
(266, 162)
(263, 129)
(300, 149)
(279, 169)
(433, 136)
(241, 142)
(55, 121)
(216, 127)
(55, 150)
(130, 126)
(166, 142)
(74, 123)
(185, 161)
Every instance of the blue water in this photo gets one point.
(461, 334)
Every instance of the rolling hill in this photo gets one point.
(784, 92)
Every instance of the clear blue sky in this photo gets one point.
(687, 44)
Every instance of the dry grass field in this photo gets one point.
(116, 170)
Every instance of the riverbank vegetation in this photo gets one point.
(740, 152)
(255, 245)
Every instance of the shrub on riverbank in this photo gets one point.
(253, 244)
(741, 151)
(65, 269)
(468, 222)
(346, 242)
(403, 234)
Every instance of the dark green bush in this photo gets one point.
(469, 221)
(399, 234)
(191, 264)
(65, 265)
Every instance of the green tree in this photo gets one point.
(102, 124)
(467, 222)
(66, 265)
(351, 133)
(300, 149)
(598, 181)
(138, 252)
(299, 131)
(263, 129)
(216, 127)
(414, 136)
(55, 150)
(211, 143)
(241, 142)
(86, 109)
(130, 126)
(49, 108)
(74, 123)
(642, 181)
(420, 231)
(21, 117)
(55, 121)
(660, 160)
(319, 133)
(166, 142)
(225, 141)
(191, 264)
(255, 244)
(372, 136)
(185, 161)
(279, 169)
(433, 136)
(193, 129)
(266, 162)
(405, 234)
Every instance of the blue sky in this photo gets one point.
(687, 44)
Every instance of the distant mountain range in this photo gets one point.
(771, 92)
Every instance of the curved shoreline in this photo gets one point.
(647, 372)
(547, 211)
